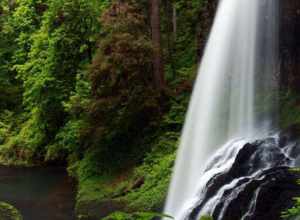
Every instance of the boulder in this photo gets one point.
(259, 185)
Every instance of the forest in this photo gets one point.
(100, 88)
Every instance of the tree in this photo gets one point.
(11, 4)
(123, 101)
(169, 29)
(54, 41)
(156, 38)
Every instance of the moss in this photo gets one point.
(8, 212)
(135, 216)
(206, 217)
(289, 109)
(140, 189)
(119, 216)
(143, 188)
(152, 193)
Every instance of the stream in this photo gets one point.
(38, 193)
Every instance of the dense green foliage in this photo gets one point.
(53, 42)
(77, 88)
(8, 212)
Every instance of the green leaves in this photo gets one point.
(9, 212)
(46, 44)
(292, 212)
(136, 216)
(77, 88)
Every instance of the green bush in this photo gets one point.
(8, 212)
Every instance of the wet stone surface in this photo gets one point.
(259, 185)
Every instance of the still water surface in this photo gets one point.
(38, 193)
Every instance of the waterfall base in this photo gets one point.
(258, 185)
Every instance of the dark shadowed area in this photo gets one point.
(38, 193)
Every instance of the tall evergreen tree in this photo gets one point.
(156, 39)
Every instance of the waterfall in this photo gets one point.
(234, 96)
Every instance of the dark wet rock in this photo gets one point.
(290, 134)
(289, 44)
(260, 183)
(8, 212)
(274, 191)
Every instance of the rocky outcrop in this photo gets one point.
(260, 183)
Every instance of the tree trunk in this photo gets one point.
(170, 34)
(174, 22)
(11, 4)
(156, 38)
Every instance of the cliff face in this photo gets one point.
(289, 40)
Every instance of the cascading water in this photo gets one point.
(233, 100)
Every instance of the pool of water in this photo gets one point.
(38, 193)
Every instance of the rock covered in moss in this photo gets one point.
(206, 217)
(8, 212)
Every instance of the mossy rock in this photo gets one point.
(206, 217)
(8, 212)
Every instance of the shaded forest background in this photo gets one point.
(101, 87)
